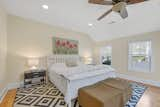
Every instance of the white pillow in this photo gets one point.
(80, 63)
(58, 68)
(59, 65)
(71, 63)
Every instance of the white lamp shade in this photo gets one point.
(33, 62)
(88, 60)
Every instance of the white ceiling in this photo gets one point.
(76, 14)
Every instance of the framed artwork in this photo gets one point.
(64, 46)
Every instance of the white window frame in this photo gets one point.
(150, 57)
(101, 53)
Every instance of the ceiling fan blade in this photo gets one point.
(105, 14)
(102, 2)
(136, 1)
(107, 2)
(124, 13)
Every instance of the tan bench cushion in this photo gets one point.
(100, 95)
(121, 85)
(108, 93)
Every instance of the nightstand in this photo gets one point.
(34, 77)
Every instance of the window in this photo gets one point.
(106, 55)
(140, 56)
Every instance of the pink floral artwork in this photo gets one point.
(64, 46)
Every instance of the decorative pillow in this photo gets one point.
(58, 65)
(80, 63)
(71, 63)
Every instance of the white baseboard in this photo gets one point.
(149, 82)
(14, 85)
(9, 87)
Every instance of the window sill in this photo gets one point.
(139, 71)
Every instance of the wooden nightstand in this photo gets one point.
(34, 77)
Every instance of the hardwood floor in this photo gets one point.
(151, 98)
(8, 100)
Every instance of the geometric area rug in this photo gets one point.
(49, 96)
(39, 96)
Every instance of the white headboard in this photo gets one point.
(61, 59)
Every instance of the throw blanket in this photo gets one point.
(107, 93)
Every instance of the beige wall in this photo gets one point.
(3, 47)
(120, 55)
(28, 38)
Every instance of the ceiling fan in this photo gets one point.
(119, 6)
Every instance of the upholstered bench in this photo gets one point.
(107, 93)
(122, 85)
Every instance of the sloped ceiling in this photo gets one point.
(77, 14)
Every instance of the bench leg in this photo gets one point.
(75, 103)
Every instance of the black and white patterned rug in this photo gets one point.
(39, 96)
(49, 96)
(137, 93)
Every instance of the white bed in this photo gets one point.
(69, 80)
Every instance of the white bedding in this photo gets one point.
(69, 80)
(81, 71)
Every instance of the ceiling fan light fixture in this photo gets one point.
(45, 7)
(90, 24)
